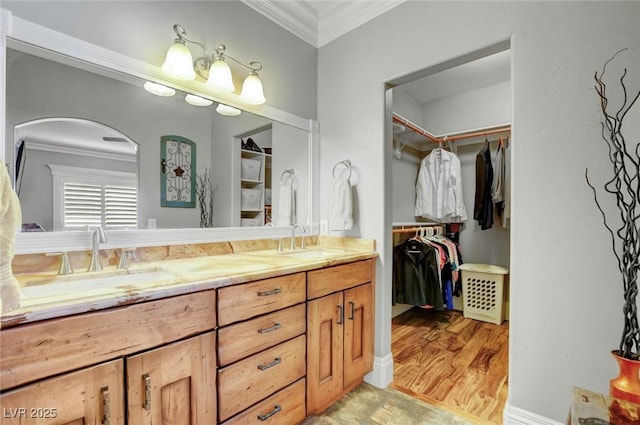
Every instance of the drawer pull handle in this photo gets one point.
(106, 406)
(276, 361)
(271, 292)
(271, 329)
(353, 310)
(147, 392)
(277, 408)
(340, 314)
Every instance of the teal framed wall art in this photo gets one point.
(177, 172)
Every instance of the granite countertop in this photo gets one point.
(49, 295)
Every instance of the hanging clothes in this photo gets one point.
(483, 206)
(416, 275)
(506, 216)
(439, 188)
(497, 189)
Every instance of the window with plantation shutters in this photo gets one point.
(90, 197)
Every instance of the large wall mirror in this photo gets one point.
(67, 116)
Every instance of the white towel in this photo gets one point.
(341, 209)
(285, 215)
(10, 221)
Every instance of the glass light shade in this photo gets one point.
(252, 90)
(158, 89)
(220, 78)
(227, 110)
(194, 100)
(179, 63)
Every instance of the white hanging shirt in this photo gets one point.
(439, 188)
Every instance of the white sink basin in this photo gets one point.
(89, 283)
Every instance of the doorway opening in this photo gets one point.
(444, 353)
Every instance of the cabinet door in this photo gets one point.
(175, 384)
(90, 396)
(358, 333)
(325, 318)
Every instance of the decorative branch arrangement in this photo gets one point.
(205, 192)
(624, 185)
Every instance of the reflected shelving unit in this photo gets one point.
(255, 187)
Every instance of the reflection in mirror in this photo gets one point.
(38, 89)
(71, 173)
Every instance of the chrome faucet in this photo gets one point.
(97, 237)
(293, 237)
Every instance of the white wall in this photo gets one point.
(559, 247)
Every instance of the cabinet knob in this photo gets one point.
(270, 329)
(147, 392)
(266, 416)
(106, 406)
(271, 292)
(276, 361)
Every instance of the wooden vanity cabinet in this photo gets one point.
(339, 331)
(94, 395)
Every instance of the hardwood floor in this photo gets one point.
(451, 362)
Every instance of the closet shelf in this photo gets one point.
(504, 128)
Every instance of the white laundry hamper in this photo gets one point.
(483, 292)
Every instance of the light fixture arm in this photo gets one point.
(202, 64)
(181, 33)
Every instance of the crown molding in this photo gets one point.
(345, 16)
(321, 27)
(297, 16)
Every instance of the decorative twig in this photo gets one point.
(624, 185)
(205, 192)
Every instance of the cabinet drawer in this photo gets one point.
(241, 340)
(241, 302)
(332, 279)
(37, 350)
(285, 407)
(250, 380)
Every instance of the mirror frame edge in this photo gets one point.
(24, 31)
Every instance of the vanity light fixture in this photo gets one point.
(212, 67)
(227, 110)
(158, 89)
(194, 100)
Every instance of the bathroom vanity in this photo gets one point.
(251, 336)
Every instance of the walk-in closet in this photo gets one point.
(450, 174)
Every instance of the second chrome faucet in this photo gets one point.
(97, 237)
(293, 237)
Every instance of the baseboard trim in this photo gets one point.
(515, 416)
(382, 374)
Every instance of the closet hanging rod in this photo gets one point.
(479, 133)
(416, 229)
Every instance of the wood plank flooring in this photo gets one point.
(451, 362)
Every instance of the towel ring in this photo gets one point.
(290, 172)
(346, 163)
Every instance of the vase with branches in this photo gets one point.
(205, 192)
(623, 187)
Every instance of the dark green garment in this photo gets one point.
(416, 275)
